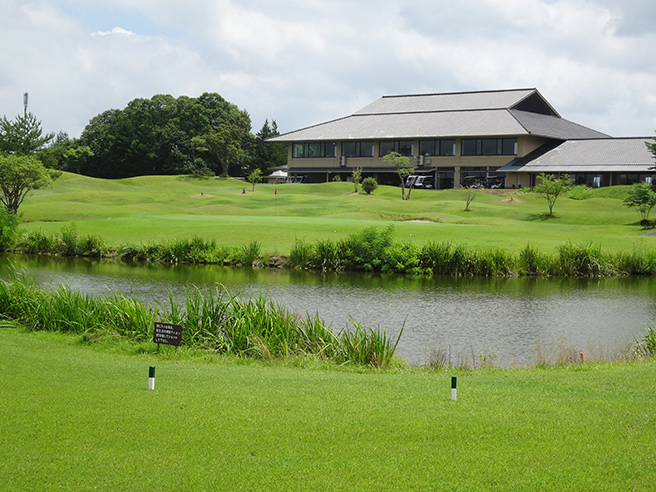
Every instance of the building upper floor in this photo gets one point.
(466, 128)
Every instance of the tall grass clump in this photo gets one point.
(300, 254)
(139, 253)
(328, 256)
(368, 347)
(532, 262)
(646, 347)
(193, 251)
(583, 261)
(68, 311)
(249, 253)
(638, 262)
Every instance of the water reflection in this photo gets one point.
(503, 319)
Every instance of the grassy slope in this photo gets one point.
(75, 418)
(156, 208)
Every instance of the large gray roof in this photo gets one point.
(469, 114)
(597, 155)
(455, 101)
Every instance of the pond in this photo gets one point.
(465, 321)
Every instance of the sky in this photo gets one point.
(303, 62)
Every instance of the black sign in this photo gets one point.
(168, 334)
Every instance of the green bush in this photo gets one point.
(365, 250)
(579, 192)
(369, 185)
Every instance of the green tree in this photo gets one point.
(155, 136)
(22, 136)
(369, 185)
(642, 198)
(551, 187)
(404, 169)
(19, 174)
(357, 177)
(224, 143)
(264, 154)
(254, 177)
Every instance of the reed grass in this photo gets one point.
(216, 320)
(370, 250)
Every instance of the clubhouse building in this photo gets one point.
(495, 138)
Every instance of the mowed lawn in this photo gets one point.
(161, 208)
(76, 417)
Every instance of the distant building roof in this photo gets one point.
(464, 114)
(591, 155)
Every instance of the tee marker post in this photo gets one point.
(151, 378)
(454, 391)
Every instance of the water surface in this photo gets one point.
(467, 321)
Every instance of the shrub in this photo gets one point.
(364, 250)
(369, 185)
(579, 192)
(402, 258)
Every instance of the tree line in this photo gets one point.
(204, 135)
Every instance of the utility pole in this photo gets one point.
(25, 98)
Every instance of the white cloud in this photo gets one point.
(117, 31)
(305, 62)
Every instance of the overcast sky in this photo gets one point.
(302, 62)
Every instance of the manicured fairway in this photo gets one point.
(80, 418)
(158, 208)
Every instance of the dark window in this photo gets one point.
(437, 147)
(489, 146)
(427, 147)
(358, 149)
(349, 149)
(403, 147)
(314, 149)
(470, 147)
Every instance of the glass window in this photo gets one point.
(489, 146)
(330, 150)
(386, 148)
(403, 147)
(469, 147)
(358, 149)
(367, 149)
(314, 149)
(427, 147)
(447, 147)
(349, 149)
(406, 147)
(509, 146)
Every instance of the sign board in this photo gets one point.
(168, 334)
